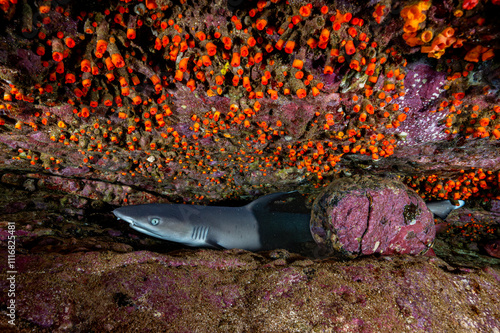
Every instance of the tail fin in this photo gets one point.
(443, 208)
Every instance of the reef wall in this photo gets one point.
(200, 101)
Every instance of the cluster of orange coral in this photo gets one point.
(477, 183)
(6, 4)
(471, 120)
(413, 16)
(434, 43)
(119, 70)
(472, 231)
(111, 68)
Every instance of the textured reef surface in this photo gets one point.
(201, 101)
(108, 103)
(239, 291)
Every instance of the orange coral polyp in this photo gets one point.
(183, 64)
(131, 33)
(448, 32)
(257, 57)
(155, 79)
(151, 4)
(236, 80)
(349, 47)
(370, 69)
(279, 44)
(369, 108)
(426, 36)
(474, 54)
(296, 19)
(251, 41)
(289, 46)
(489, 54)
(125, 91)
(69, 42)
(70, 78)
(57, 56)
(178, 75)
(411, 26)
(325, 35)
(85, 65)
(86, 83)
(484, 122)
(297, 63)
(328, 70)
(45, 8)
(201, 36)
(305, 11)
(312, 43)
(496, 133)
(439, 42)
(244, 51)
(301, 93)
(261, 24)
(211, 49)
(299, 75)
(355, 65)
(123, 81)
(117, 60)
(206, 60)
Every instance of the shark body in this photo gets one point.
(256, 226)
(260, 225)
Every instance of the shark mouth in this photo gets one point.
(134, 226)
(125, 218)
(144, 231)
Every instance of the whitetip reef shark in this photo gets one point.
(260, 225)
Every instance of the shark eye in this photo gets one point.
(155, 221)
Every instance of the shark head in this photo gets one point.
(163, 221)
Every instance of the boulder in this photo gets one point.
(363, 215)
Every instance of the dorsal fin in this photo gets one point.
(262, 203)
(280, 224)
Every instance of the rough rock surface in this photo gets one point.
(76, 271)
(237, 291)
(369, 214)
(174, 119)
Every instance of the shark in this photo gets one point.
(443, 208)
(270, 222)
(267, 223)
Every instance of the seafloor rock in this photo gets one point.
(239, 291)
(363, 215)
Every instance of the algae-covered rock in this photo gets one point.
(363, 215)
(240, 291)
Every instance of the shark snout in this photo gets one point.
(121, 216)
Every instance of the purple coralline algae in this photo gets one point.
(368, 214)
(424, 86)
(239, 291)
